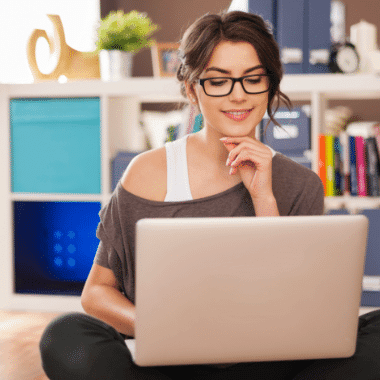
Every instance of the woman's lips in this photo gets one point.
(238, 115)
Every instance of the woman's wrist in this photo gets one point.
(265, 206)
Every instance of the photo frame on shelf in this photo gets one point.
(165, 59)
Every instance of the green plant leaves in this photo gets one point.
(125, 31)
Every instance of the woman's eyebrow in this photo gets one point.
(223, 71)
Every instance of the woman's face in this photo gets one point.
(236, 114)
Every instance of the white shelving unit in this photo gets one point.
(120, 130)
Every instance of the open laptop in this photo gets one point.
(226, 290)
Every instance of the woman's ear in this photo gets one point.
(190, 93)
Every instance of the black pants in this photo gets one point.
(77, 346)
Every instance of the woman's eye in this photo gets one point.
(253, 80)
(217, 82)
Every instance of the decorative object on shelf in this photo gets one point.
(336, 119)
(120, 36)
(344, 58)
(165, 59)
(156, 125)
(72, 64)
(374, 58)
(364, 36)
(338, 22)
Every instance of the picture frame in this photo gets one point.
(165, 59)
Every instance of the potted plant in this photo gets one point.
(120, 36)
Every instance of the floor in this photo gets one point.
(20, 333)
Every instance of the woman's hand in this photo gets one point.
(253, 161)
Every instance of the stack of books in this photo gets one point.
(349, 164)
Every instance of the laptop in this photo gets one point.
(247, 289)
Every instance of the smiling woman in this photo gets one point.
(230, 68)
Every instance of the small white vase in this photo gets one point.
(115, 65)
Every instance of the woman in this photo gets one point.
(231, 70)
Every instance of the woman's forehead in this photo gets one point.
(233, 56)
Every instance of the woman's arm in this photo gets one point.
(102, 299)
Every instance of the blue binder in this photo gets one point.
(290, 34)
(372, 263)
(317, 38)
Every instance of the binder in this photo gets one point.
(301, 29)
(317, 38)
(290, 34)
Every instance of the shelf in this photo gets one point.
(332, 86)
(39, 197)
(120, 111)
(149, 89)
(351, 203)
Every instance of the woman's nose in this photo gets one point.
(238, 93)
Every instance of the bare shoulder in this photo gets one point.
(146, 175)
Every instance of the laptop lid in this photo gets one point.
(225, 290)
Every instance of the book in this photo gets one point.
(322, 160)
(338, 190)
(345, 160)
(361, 166)
(330, 169)
(373, 167)
(353, 176)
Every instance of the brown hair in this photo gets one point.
(204, 35)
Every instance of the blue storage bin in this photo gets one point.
(294, 137)
(55, 145)
(119, 164)
(342, 211)
(54, 246)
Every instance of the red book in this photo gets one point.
(361, 166)
(322, 160)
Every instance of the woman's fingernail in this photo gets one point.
(228, 161)
(224, 139)
(231, 170)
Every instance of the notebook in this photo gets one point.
(229, 290)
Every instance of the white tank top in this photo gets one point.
(178, 186)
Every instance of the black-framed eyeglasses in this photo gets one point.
(223, 86)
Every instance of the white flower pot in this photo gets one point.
(115, 64)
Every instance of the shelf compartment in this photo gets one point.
(54, 246)
(55, 145)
